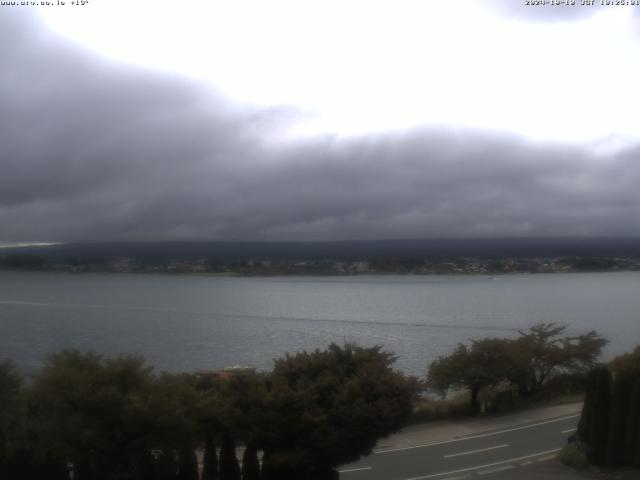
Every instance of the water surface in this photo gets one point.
(200, 322)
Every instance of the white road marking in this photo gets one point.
(569, 430)
(482, 435)
(460, 477)
(495, 470)
(544, 459)
(479, 467)
(476, 451)
(524, 464)
(348, 470)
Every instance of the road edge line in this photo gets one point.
(480, 435)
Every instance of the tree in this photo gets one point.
(483, 364)
(94, 410)
(329, 407)
(627, 370)
(632, 437)
(108, 415)
(187, 464)
(599, 428)
(542, 351)
(628, 363)
(588, 408)
(250, 463)
(167, 465)
(610, 423)
(10, 383)
(241, 406)
(622, 390)
(232, 406)
(229, 467)
(15, 460)
(526, 362)
(169, 413)
(210, 460)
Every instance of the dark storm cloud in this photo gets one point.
(95, 150)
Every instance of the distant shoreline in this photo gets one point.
(247, 273)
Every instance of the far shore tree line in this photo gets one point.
(355, 265)
(92, 418)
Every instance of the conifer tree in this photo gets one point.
(620, 403)
(167, 467)
(632, 436)
(210, 460)
(599, 427)
(250, 464)
(229, 467)
(586, 419)
(187, 464)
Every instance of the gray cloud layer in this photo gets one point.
(93, 150)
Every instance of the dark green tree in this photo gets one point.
(10, 416)
(210, 459)
(543, 351)
(598, 430)
(588, 408)
(609, 428)
(483, 364)
(167, 465)
(329, 407)
(229, 466)
(107, 415)
(628, 366)
(187, 464)
(170, 413)
(250, 463)
(622, 390)
(632, 437)
(23, 456)
(214, 415)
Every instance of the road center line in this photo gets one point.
(479, 467)
(569, 430)
(476, 451)
(349, 470)
(481, 435)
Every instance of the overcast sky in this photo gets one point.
(294, 120)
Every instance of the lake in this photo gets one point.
(204, 322)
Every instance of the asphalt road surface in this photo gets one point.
(476, 456)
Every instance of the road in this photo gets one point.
(478, 455)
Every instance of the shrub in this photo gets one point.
(573, 457)
(430, 410)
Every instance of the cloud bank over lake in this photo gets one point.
(96, 148)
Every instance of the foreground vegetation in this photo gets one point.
(543, 361)
(108, 419)
(609, 428)
(92, 418)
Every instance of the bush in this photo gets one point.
(430, 410)
(573, 457)
(564, 384)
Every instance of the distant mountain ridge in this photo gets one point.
(441, 248)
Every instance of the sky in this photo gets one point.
(127, 120)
